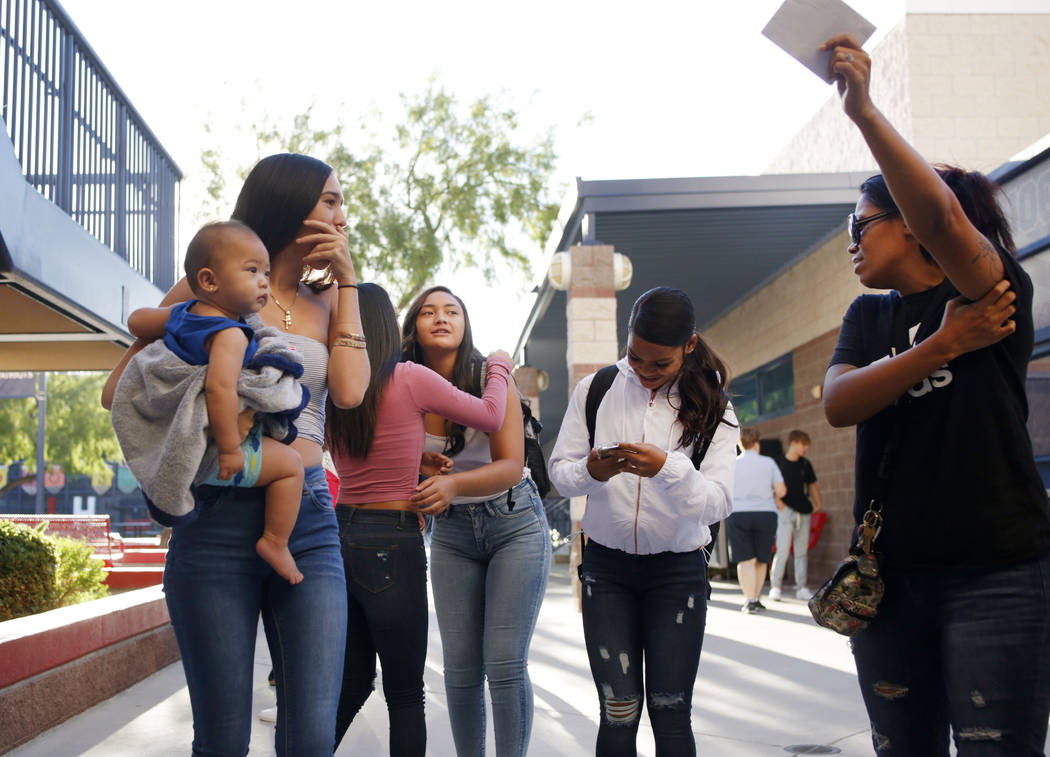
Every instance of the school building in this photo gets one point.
(764, 257)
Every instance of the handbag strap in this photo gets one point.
(872, 521)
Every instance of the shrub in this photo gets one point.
(79, 577)
(28, 564)
(40, 572)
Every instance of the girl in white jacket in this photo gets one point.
(648, 510)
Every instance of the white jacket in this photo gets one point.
(669, 512)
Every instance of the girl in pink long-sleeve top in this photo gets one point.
(377, 448)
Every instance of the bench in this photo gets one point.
(136, 527)
(92, 529)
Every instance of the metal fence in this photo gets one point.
(81, 143)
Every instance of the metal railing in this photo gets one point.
(81, 143)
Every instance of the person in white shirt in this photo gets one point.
(648, 510)
(757, 495)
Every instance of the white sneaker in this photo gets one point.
(804, 594)
(269, 715)
(774, 594)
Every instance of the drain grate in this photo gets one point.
(812, 749)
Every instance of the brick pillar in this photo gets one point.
(590, 312)
(590, 317)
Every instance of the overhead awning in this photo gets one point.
(719, 239)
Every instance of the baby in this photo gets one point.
(228, 269)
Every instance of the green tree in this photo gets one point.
(78, 435)
(453, 183)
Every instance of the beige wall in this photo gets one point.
(806, 301)
(980, 85)
(971, 89)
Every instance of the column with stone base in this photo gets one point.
(590, 316)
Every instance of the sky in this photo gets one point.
(632, 90)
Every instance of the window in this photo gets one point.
(766, 392)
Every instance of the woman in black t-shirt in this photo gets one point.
(935, 369)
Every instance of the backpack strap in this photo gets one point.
(600, 384)
(699, 451)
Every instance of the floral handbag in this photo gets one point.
(849, 600)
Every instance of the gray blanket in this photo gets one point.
(161, 417)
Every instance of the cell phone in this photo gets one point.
(607, 449)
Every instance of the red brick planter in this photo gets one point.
(57, 664)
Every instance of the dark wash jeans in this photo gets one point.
(644, 612)
(386, 584)
(216, 585)
(962, 647)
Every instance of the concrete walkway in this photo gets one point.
(766, 682)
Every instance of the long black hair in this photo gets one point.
(352, 431)
(279, 193)
(468, 358)
(665, 316)
(976, 193)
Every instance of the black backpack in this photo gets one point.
(533, 452)
(600, 384)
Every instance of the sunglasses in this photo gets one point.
(855, 225)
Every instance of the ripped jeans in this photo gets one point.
(960, 647)
(644, 613)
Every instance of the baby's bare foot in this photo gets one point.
(276, 553)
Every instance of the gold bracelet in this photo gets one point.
(352, 336)
(343, 342)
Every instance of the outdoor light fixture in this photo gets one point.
(560, 271)
(623, 270)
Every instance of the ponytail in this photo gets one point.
(702, 392)
(978, 196)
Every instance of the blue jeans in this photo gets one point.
(216, 586)
(386, 584)
(652, 607)
(491, 564)
(792, 527)
(962, 647)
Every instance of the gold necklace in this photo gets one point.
(287, 311)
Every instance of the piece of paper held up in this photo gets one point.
(800, 27)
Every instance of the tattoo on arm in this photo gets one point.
(987, 251)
